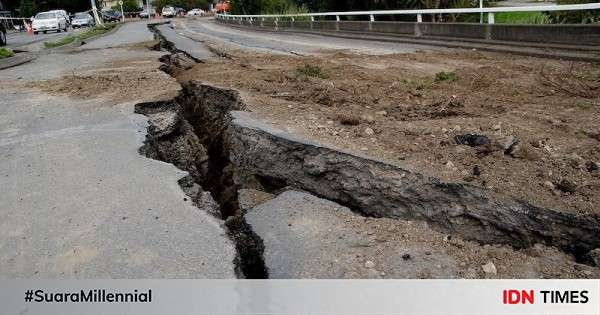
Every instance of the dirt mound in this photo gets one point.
(122, 81)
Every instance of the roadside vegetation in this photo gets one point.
(446, 76)
(5, 53)
(94, 31)
(311, 71)
(522, 18)
(575, 17)
(302, 6)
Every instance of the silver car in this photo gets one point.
(82, 19)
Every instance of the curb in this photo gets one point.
(16, 60)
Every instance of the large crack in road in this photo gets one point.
(206, 132)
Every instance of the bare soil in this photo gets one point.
(541, 116)
(121, 80)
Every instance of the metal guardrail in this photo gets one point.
(419, 12)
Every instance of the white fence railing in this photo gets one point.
(419, 13)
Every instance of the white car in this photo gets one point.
(49, 21)
(168, 12)
(195, 12)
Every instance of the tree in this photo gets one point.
(575, 17)
(28, 8)
(267, 6)
(128, 6)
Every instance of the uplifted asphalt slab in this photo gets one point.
(79, 201)
(193, 48)
(309, 237)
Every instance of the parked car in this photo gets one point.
(195, 12)
(64, 14)
(49, 21)
(168, 12)
(144, 15)
(111, 15)
(179, 11)
(2, 34)
(82, 19)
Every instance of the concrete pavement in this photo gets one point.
(78, 200)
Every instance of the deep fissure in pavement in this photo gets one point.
(191, 134)
(193, 138)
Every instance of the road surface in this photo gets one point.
(296, 42)
(31, 42)
(78, 200)
(206, 29)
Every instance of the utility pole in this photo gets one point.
(95, 10)
(147, 7)
(480, 13)
(122, 13)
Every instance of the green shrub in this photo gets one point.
(574, 17)
(521, 18)
(445, 76)
(5, 53)
(311, 71)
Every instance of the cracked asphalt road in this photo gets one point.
(78, 200)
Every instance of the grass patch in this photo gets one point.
(521, 18)
(585, 105)
(94, 31)
(5, 53)
(445, 76)
(311, 71)
(582, 132)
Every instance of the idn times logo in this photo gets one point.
(514, 296)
